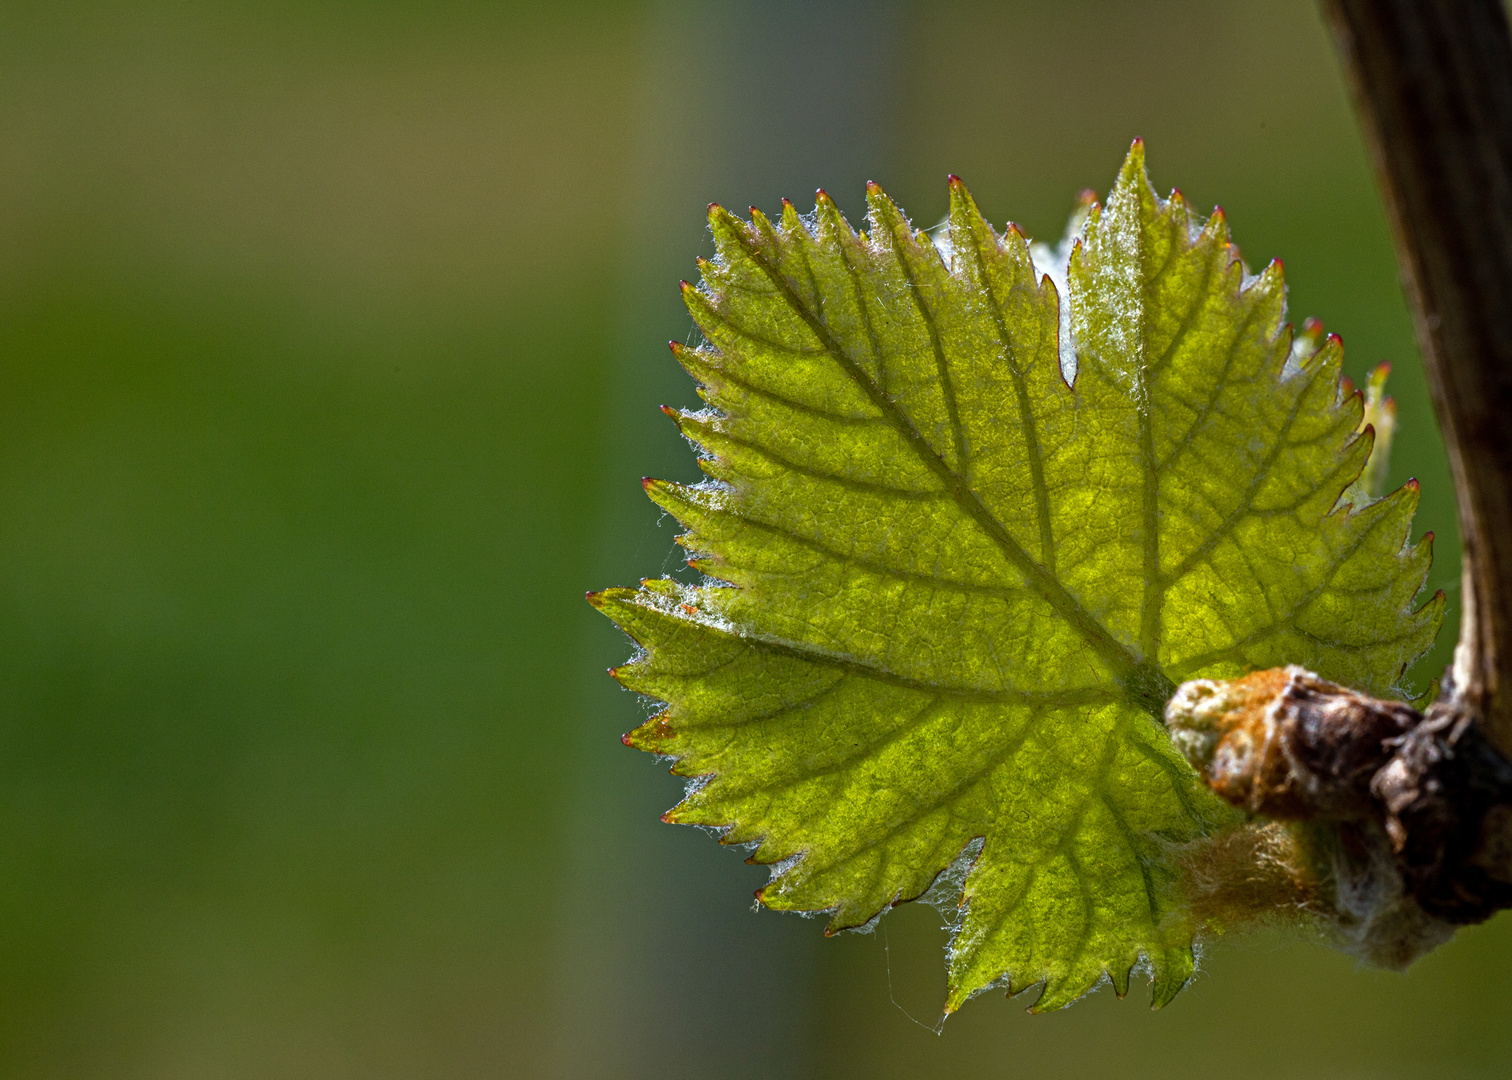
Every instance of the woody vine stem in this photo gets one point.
(1432, 81)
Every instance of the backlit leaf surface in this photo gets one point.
(950, 591)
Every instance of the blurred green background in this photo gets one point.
(331, 337)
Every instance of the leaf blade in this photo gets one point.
(953, 592)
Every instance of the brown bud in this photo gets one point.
(1409, 816)
(1286, 744)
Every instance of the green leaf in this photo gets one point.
(950, 593)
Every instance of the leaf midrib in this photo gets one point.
(1087, 695)
(1026, 413)
(942, 363)
(1233, 650)
(1126, 666)
(1247, 497)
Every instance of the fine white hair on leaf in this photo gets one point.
(783, 866)
(944, 893)
(870, 925)
(939, 235)
(1054, 263)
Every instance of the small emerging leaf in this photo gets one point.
(1380, 417)
(950, 592)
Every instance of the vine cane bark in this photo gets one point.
(1432, 81)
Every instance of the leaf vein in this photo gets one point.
(1114, 653)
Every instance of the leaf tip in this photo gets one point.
(1164, 992)
(963, 208)
(1119, 975)
(1134, 163)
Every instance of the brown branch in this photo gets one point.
(1432, 80)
